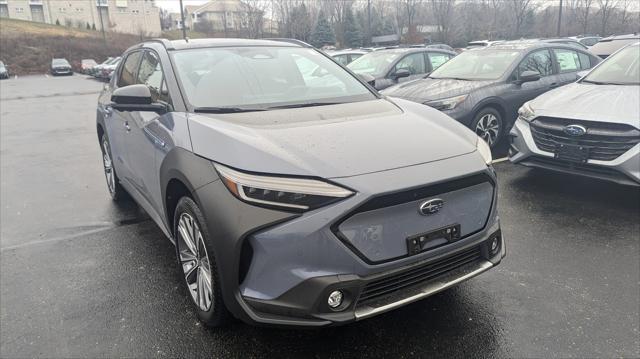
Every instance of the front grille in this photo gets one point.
(416, 275)
(604, 141)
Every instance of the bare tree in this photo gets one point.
(443, 13)
(406, 12)
(606, 6)
(253, 17)
(520, 10)
(583, 10)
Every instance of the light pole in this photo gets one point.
(184, 30)
(559, 20)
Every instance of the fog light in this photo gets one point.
(494, 245)
(335, 299)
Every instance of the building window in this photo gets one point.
(62, 9)
(228, 18)
(121, 3)
(19, 9)
(122, 10)
(135, 12)
(102, 3)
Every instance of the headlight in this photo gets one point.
(484, 150)
(298, 194)
(446, 103)
(526, 112)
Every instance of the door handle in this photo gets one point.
(554, 85)
(126, 125)
(108, 110)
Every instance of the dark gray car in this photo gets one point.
(483, 88)
(393, 66)
(293, 201)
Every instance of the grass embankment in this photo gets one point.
(28, 47)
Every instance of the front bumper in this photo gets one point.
(277, 268)
(61, 72)
(623, 170)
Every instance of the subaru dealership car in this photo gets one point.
(393, 66)
(590, 128)
(60, 67)
(291, 202)
(483, 88)
(344, 57)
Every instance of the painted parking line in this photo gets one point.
(498, 160)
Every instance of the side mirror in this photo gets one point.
(368, 79)
(529, 76)
(582, 73)
(135, 98)
(400, 74)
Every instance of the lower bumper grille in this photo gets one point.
(595, 171)
(417, 275)
(604, 141)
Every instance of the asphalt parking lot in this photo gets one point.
(82, 277)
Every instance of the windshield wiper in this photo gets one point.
(308, 104)
(226, 109)
(447, 78)
(604, 83)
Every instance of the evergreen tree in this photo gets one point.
(93, 27)
(323, 33)
(88, 26)
(352, 32)
(57, 22)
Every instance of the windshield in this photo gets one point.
(264, 77)
(375, 64)
(477, 65)
(60, 62)
(623, 68)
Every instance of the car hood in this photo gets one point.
(331, 141)
(429, 89)
(608, 103)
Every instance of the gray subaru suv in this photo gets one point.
(294, 199)
(484, 88)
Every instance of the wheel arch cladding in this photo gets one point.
(182, 173)
(493, 103)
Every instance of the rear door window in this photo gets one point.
(129, 69)
(585, 61)
(568, 60)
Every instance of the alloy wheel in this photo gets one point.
(488, 128)
(195, 262)
(108, 166)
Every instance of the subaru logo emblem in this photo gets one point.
(431, 206)
(574, 130)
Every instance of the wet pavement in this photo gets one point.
(82, 277)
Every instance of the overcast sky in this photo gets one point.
(174, 5)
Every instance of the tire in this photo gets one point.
(117, 192)
(196, 261)
(489, 125)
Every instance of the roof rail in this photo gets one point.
(291, 41)
(166, 43)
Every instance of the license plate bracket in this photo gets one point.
(429, 240)
(572, 153)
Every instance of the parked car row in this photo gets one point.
(483, 88)
(105, 70)
(258, 155)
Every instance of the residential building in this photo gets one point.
(228, 18)
(126, 16)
